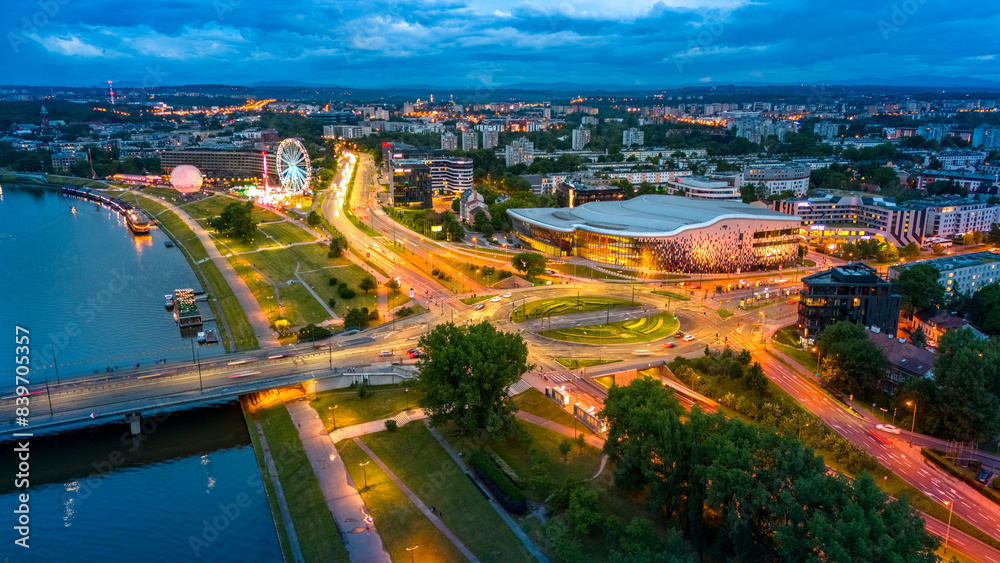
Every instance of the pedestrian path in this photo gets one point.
(375, 425)
(416, 501)
(356, 527)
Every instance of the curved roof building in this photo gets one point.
(654, 233)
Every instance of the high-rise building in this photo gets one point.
(449, 141)
(470, 141)
(581, 137)
(853, 293)
(520, 151)
(411, 184)
(633, 136)
(491, 138)
(779, 179)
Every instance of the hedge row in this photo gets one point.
(506, 492)
(507, 470)
(937, 457)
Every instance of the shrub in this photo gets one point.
(333, 281)
(391, 425)
(510, 473)
(504, 274)
(331, 302)
(345, 292)
(373, 315)
(363, 391)
(506, 492)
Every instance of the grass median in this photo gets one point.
(386, 401)
(645, 329)
(567, 306)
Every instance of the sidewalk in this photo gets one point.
(356, 528)
(272, 471)
(416, 501)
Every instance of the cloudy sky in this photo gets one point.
(489, 43)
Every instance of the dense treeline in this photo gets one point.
(748, 491)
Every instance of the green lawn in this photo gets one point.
(178, 229)
(279, 264)
(287, 232)
(423, 465)
(724, 313)
(352, 275)
(477, 299)
(645, 329)
(300, 307)
(577, 363)
(583, 271)
(399, 522)
(272, 497)
(566, 306)
(206, 208)
(386, 402)
(227, 244)
(535, 402)
(318, 537)
(671, 295)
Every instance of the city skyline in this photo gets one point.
(494, 44)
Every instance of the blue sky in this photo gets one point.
(482, 43)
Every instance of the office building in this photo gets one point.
(470, 141)
(411, 184)
(660, 233)
(520, 151)
(778, 179)
(581, 136)
(450, 174)
(702, 187)
(633, 136)
(960, 274)
(853, 293)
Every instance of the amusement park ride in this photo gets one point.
(294, 173)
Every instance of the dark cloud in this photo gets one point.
(478, 42)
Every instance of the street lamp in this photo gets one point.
(334, 409)
(411, 549)
(406, 392)
(364, 467)
(914, 423)
(951, 510)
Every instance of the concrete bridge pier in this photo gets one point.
(134, 421)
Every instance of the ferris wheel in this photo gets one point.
(292, 162)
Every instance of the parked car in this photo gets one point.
(889, 428)
(984, 477)
(688, 337)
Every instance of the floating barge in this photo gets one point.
(136, 218)
(186, 312)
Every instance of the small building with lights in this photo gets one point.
(853, 293)
(662, 233)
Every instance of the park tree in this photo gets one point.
(356, 318)
(338, 244)
(236, 221)
(531, 263)
(919, 287)
(993, 237)
(967, 376)
(887, 252)
(313, 219)
(482, 224)
(466, 373)
(367, 284)
(938, 248)
(910, 251)
(851, 362)
(393, 285)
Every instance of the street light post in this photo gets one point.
(55, 362)
(411, 549)
(951, 510)
(406, 392)
(913, 424)
(364, 467)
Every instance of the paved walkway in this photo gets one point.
(325, 305)
(254, 313)
(375, 425)
(528, 544)
(356, 527)
(286, 517)
(419, 503)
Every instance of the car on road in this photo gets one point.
(506, 295)
(641, 352)
(415, 353)
(984, 477)
(678, 334)
(479, 306)
(385, 353)
(669, 344)
(889, 428)
(496, 299)
(688, 337)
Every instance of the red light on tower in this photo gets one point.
(111, 88)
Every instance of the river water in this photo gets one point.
(92, 292)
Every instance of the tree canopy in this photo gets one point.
(531, 263)
(236, 220)
(465, 375)
(918, 285)
(850, 361)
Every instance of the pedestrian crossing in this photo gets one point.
(520, 387)
(558, 377)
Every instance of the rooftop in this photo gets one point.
(904, 355)
(946, 263)
(647, 215)
(848, 273)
